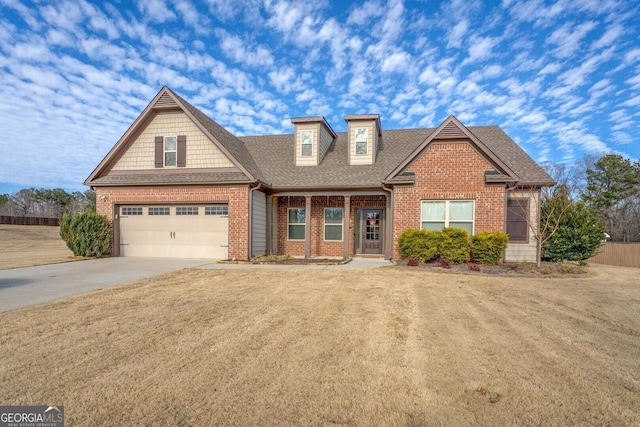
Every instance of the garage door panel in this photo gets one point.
(175, 236)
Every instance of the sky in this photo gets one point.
(562, 78)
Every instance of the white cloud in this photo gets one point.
(241, 51)
(609, 37)
(156, 10)
(362, 15)
(457, 33)
(568, 39)
(481, 49)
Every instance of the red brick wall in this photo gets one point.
(449, 171)
(236, 197)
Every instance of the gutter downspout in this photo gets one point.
(250, 225)
(389, 222)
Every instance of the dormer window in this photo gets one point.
(362, 141)
(306, 143)
(170, 150)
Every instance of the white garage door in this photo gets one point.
(193, 231)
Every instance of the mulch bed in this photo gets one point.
(524, 268)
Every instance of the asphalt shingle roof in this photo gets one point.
(276, 158)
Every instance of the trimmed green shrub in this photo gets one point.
(488, 246)
(455, 245)
(452, 244)
(419, 244)
(86, 234)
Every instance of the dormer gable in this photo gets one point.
(363, 134)
(313, 136)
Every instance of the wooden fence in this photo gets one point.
(620, 254)
(28, 220)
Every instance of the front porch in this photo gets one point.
(326, 224)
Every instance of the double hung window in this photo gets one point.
(438, 214)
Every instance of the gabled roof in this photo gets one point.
(452, 129)
(270, 159)
(167, 100)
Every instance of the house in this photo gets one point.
(177, 184)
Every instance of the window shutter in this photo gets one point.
(517, 214)
(159, 159)
(182, 151)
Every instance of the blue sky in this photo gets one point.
(561, 78)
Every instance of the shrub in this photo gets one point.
(488, 246)
(455, 245)
(419, 244)
(578, 236)
(86, 234)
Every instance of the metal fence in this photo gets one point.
(28, 220)
(620, 254)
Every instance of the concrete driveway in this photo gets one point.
(21, 287)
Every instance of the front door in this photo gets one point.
(371, 231)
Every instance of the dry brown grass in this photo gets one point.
(28, 245)
(390, 346)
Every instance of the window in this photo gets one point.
(170, 150)
(333, 224)
(438, 214)
(159, 211)
(216, 210)
(187, 210)
(362, 135)
(517, 215)
(306, 143)
(295, 223)
(131, 211)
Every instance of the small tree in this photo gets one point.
(579, 233)
(86, 234)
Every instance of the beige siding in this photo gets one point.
(517, 252)
(201, 152)
(313, 159)
(362, 159)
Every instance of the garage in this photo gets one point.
(174, 231)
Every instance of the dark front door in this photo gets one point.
(371, 231)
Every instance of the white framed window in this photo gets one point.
(129, 210)
(170, 150)
(333, 224)
(306, 143)
(362, 141)
(187, 210)
(296, 223)
(438, 214)
(158, 211)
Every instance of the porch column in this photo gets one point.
(307, 228)
(346, 233)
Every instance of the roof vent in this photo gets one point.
(165, 101)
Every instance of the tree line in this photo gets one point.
(48, 203)
(606, 187)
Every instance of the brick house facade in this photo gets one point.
(178, 184)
